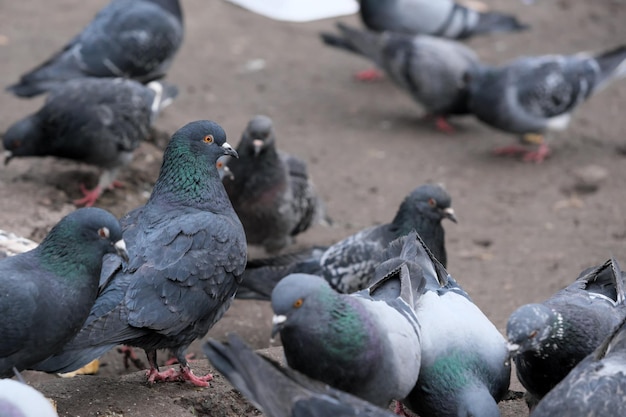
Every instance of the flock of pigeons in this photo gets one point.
(370, 319)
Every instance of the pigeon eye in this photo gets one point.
(533, 334)
(432, 202)
(219, 164)
(298, 303)
(104, 232)
(208, 139)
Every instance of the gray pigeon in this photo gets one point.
(349, 264)
(465, 369)
(431, 70)
(128, 38)
(99, 121)
(282, 392)
(187, 253)
(47, 292)
(550, 338)
(443, 18)
(595, 387)
(366, 343)
(18, 399)
(534, 95)
(271, 190)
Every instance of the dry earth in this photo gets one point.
(524, 230)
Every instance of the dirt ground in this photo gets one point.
(524, 230)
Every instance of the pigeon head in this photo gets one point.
(24, 138)
(529, 326)
(431, 201)
(258, 136)
(189, 172)
(84, 235)
(291, 298)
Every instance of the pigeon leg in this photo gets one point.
(130, 357)
(510, 150)
(106, 181)
(371, 74)
(173, 360)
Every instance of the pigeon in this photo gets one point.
(442, 18)
(548, 339)
(595, 387)
(282, 392)
(349, 264)
(271, 190)
(431, 70)
(134, 39)
(465, 369)
(17, 399)
(47, 292)
(366, 343)
(187, 253)
(99, 121)
(222, 167)
(538, 94)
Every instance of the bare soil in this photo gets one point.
(524, 230)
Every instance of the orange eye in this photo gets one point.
(208, 139)
(219, 164)
(103, 232)
(298, 303)
(432, 202)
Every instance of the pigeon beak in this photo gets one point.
(228, 150)
(277, 323)
(257, 144)
(448, 213)
(120, 247)
(513, 348)
(8, 155)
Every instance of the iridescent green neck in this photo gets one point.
(188, 178)
(60, 254)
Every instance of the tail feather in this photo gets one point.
(612, 64)
(361, 42)
(491, 22)
(71, 360)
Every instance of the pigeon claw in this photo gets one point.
(537, 156)
(172, 375)
(130, 357)
(371, 74)
(443, 125)
(90, 196)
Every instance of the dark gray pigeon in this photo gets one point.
(443, 18)
(431, 70)
(548, 339)
(187, 253)
(18, 399)
(128, 38)
(271, 190)
(465, 369)
(47, 292)
(595, 387)
(282, 392)
(535, 95)
(99, 121)
(366, 343)
(349, 264)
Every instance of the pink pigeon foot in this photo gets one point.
(371, 74)
(130, 357)
(442, 125)
(171, 375)
(90, 196)
(537, 156)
